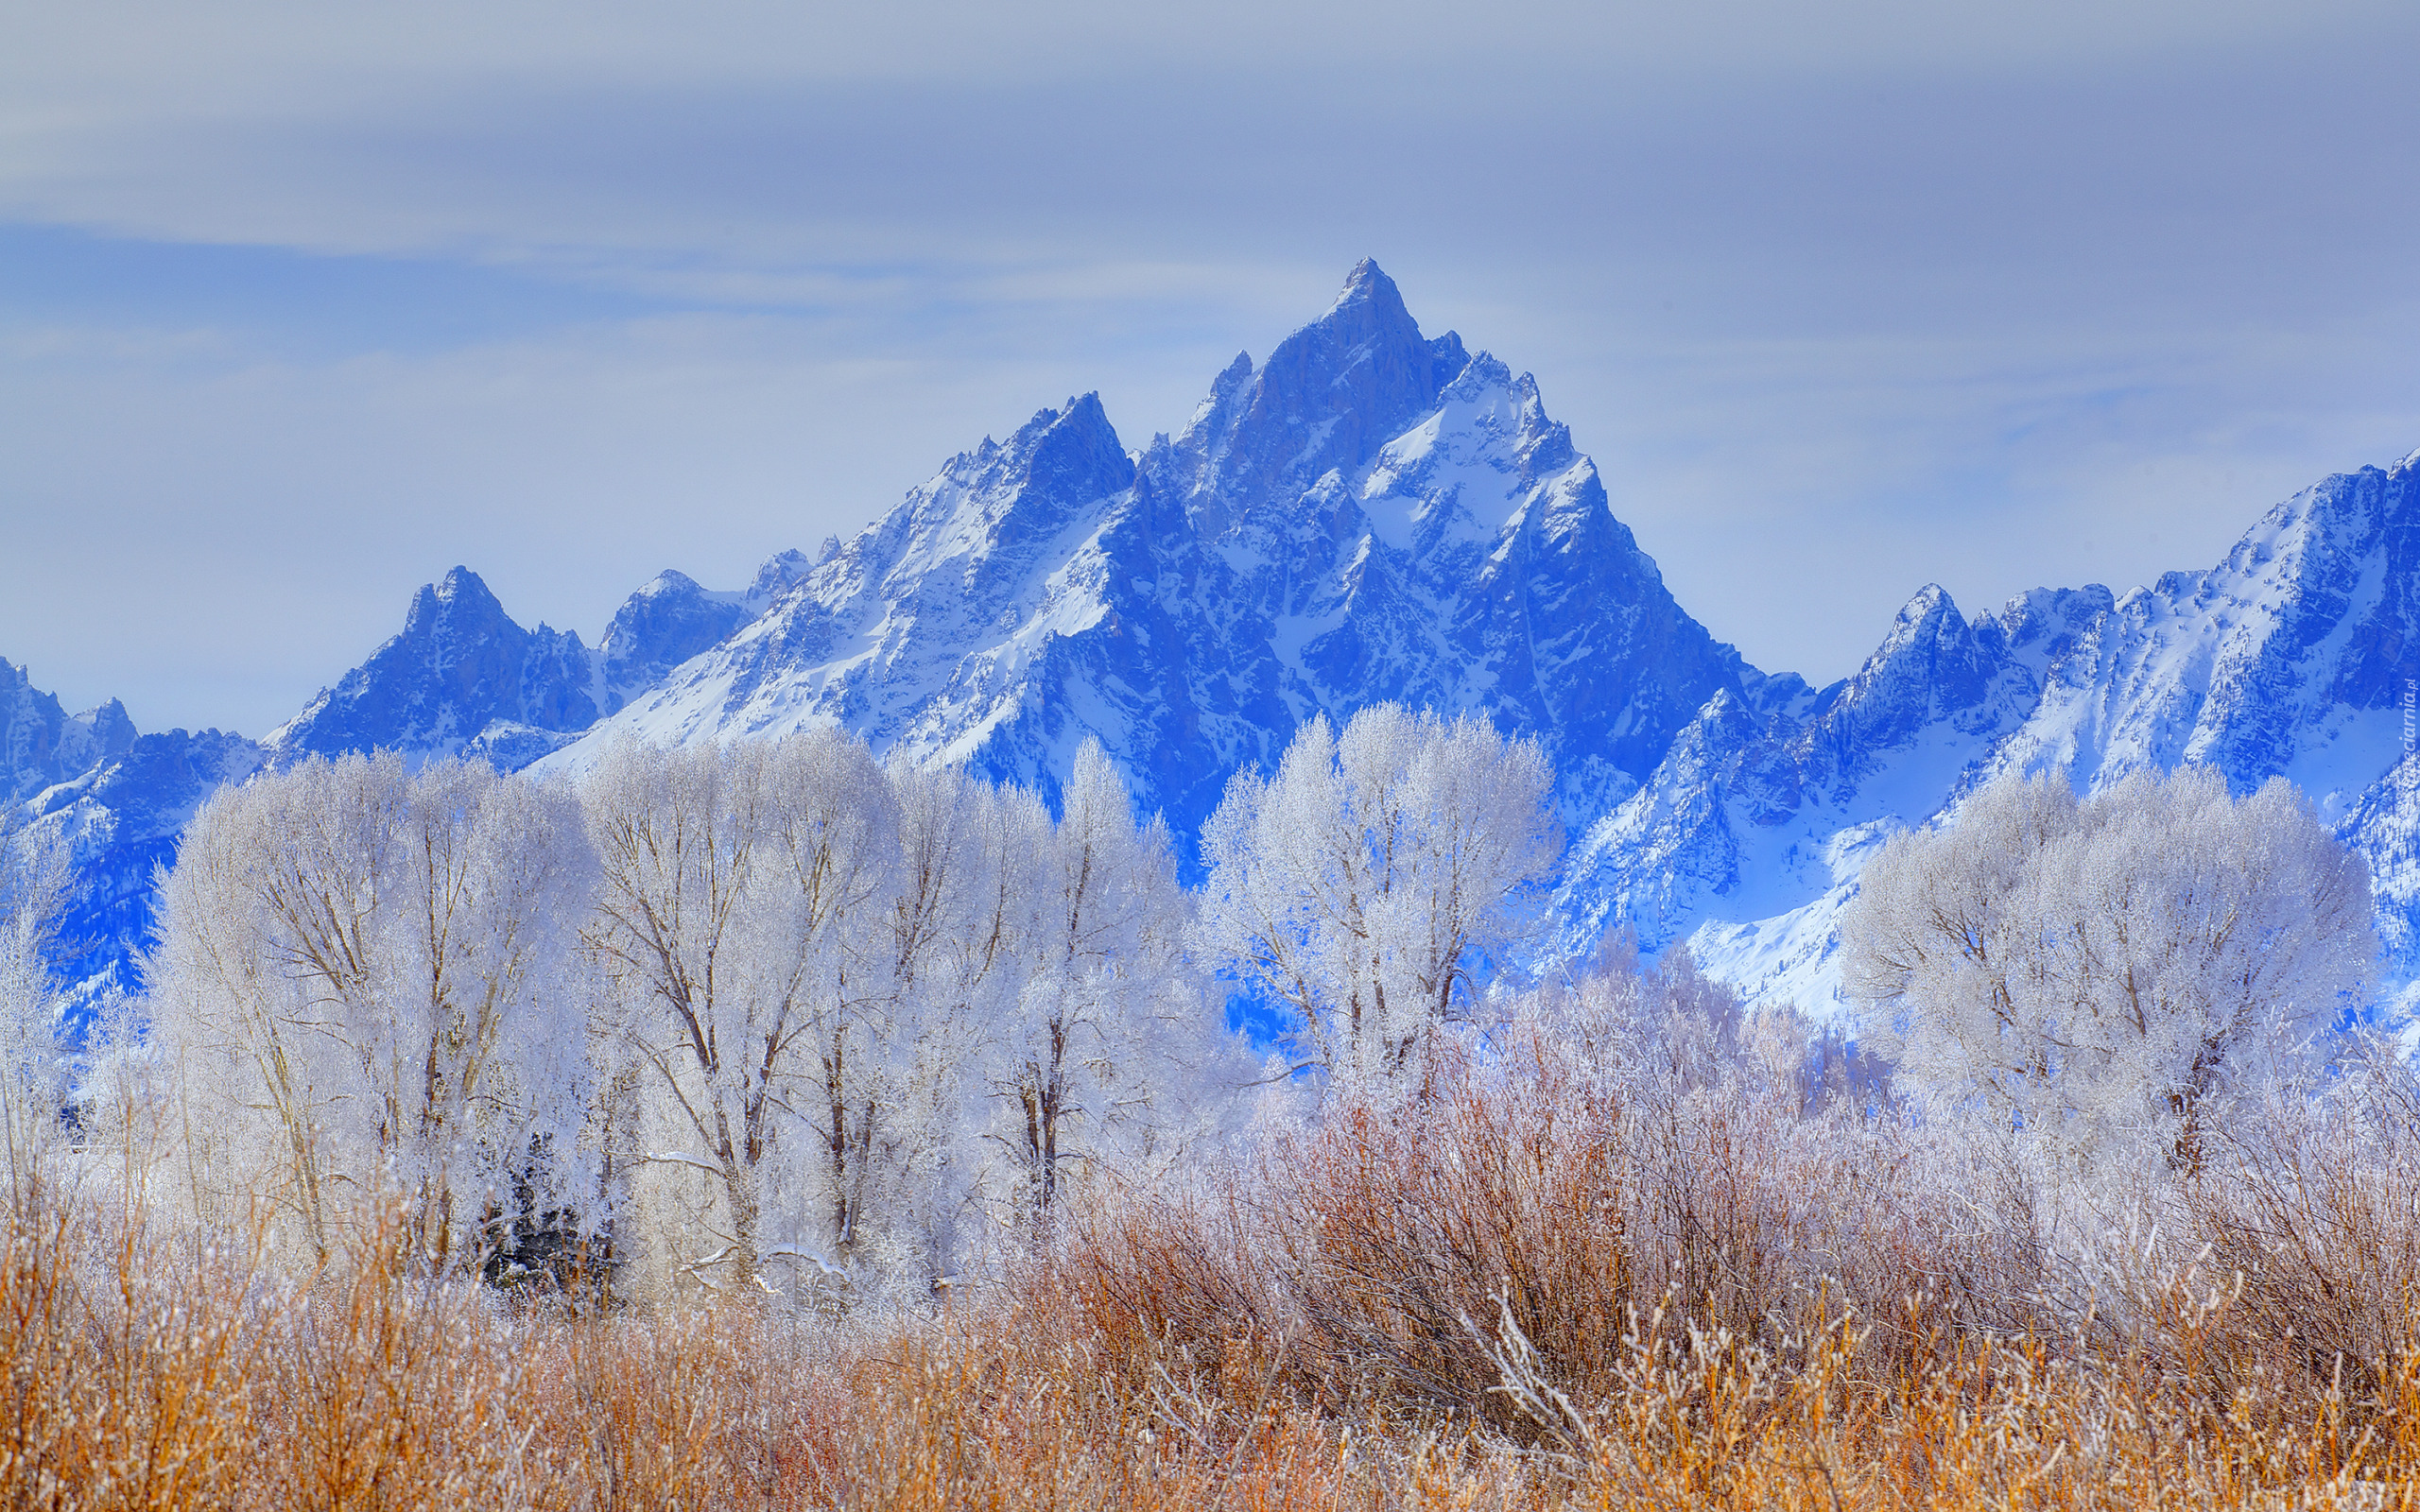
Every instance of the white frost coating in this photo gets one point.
(1364, 884)
(2115, 977)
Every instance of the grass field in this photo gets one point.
(1509, 1294)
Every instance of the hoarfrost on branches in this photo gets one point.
(1363, 885)
(2124, 968)
(33, 889)
(370, 976)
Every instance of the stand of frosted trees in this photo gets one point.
(2105, 976)
(775, 1016)
(781, 1013)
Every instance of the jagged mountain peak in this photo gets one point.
(459, 663)
(1070, 453)
(668, 620)
(1368, 281)
(113, 728)
(1328, 398)
(1370, 514)
(1933, 665)
(42, 745)
(781, 573)
(2052, 617)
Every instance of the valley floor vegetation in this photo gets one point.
(767, 1126)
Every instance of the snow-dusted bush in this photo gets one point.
(2119, 972)
(1365, 884)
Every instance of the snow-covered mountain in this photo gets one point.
(1372, 514)
(115, 799)
(2294, 657)
(463, 679)
(460, 673)
(40, 744)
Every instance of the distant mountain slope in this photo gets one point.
(2291, 658)
(115, 799)
(120, 822)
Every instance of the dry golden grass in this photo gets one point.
(1505, 1295)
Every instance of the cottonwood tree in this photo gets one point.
(830, 846)
(33, 892)
(678, 836)
(1105, 1019)
(367, 976)
(794, 934)
(954, 932)
(2107, 970)
(1364, 885)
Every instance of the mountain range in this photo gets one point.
(1370, 514)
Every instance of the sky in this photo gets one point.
(303, 303)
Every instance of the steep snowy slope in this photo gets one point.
(1370, 514)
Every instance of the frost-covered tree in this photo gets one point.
(713, 1003)
(1363, 885)
(892, 1070)
(366, 980)
(831, 843)
(2124, 967)
(795, 936)
(33, 890)
(1107, 1020)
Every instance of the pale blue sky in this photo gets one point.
(300, 304)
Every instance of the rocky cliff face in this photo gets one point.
(40, 744)
(120, 821)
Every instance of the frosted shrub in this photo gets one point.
(2110, 973)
